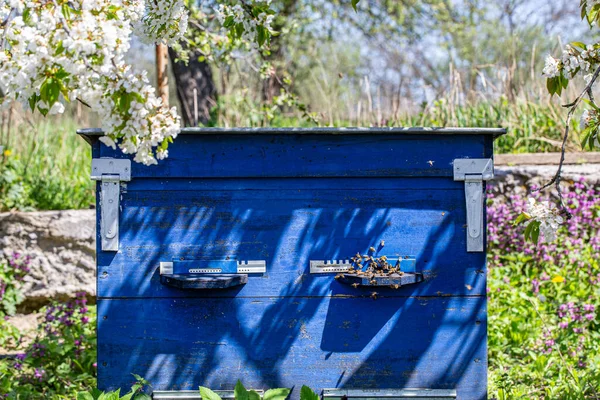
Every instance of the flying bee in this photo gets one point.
(374, 295)
(372, 249)
(395, 286)
(355, 285)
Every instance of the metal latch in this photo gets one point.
(388, 394)
(110, 172)
(474, 171)
(213, 267)
(406, 264)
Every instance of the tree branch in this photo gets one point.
(557, 179)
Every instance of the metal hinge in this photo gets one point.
(473, 171)
(110, 172)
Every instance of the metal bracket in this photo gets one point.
(473, 171)
(388, 394)
(110, 172)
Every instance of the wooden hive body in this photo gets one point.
(288, 198)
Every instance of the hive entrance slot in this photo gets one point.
(388, 394)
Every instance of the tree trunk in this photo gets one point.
(195, 104)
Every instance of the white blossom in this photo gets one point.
(551, 69)
(547, 217)
(163, 21)
(585, 119)
(80, 54)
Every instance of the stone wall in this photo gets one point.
(61, 243)
(62, 249)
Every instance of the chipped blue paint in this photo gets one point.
(288, 198)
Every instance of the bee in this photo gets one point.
(382, 243)
(395, 286)
(373, 281)
(374, 295)
(430, 162)
(355, 285)
(338, 276)
(372, 249)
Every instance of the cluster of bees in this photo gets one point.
(375, 267)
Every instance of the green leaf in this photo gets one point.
(551, 85)
(354, 4)
(240, 392)
(229, 21)
(581, 45)
(239, 30)
(208, 394)
(27, 15)
(586, 133)
(277, 394)
(307, 393)
(253, 395)
(33, 101)
(528, 229)
(522, 218)
(141, 396)
(262, 35)
(535, 234)
(84, 396)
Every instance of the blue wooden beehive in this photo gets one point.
(232, 260)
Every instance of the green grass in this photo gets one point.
(45, 167)
(533, 127)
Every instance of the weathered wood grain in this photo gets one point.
(287, 228)
(241, 156)
(287, 342)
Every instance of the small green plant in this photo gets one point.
(136, 392)
(12, 272)
(307, 393)
(61, 361)
(241, 393)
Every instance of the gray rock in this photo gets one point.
(61, 245)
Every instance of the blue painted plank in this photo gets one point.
(287, 342)
(281, 155)
(288, 228)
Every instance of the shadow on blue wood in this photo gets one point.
(288, 327)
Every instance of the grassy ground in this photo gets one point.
(45, 166)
